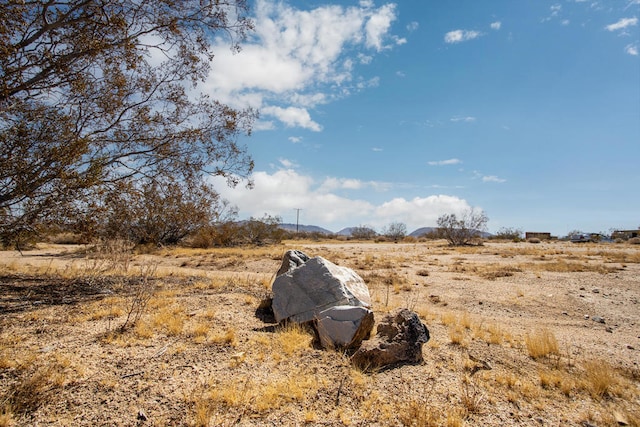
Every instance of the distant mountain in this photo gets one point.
(423, 230)
(305, 228)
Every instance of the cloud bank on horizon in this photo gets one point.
(301, 64)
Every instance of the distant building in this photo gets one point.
(625, 234)
(537, 235)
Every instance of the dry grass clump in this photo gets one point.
(494, 271)
(37, 383)
(562, 266)
(541, 343)
(600, 378)
(234, 398)
(170, 319)
(293, 338)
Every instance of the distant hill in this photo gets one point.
(423, 230)
(305, 228)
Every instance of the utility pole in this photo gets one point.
(297, 219)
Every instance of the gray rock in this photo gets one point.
(597, 319)
(305, 290)
(344, 326)
(399, 338)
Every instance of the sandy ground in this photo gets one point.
(198, 354)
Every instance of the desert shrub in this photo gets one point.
(513, 234)
(261, 231)
(533, 240)
(463, 230)
(395, 231)
(68, 238)
(158, 212)
(225, 234)
(363, 232)
(634, 241)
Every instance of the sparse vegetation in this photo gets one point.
(493, 324)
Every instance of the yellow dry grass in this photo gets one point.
(541, 343)
(260, 376)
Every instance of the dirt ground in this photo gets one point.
(521, 334)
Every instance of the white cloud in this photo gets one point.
(565, 22)
(555, 11)
(458, 36)
(492, 178)
(302, 58)
(376, 149)
(287, 163)
(445, 162)
(295, 139)
(293, 117)
(631, 3)
(378, 25)
(281, 192)
(467, 119)
(622, 24)
(419, 211)
(496, 25)
(631, 49)
(413, 26)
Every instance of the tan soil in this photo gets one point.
(63, 364)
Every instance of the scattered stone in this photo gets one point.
(609, 329)
(586, 317)
(621, 419)
(564, 313)
(399, 338)
(344, 326)
(596, 291)
(630, 347)
(142, 416)
(597, 319)
(582, 288)
(304, 290)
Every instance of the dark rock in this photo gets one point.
(399, 338)
(291, 260)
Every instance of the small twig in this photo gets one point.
(132, 375)
(339, 391)
(161, 351)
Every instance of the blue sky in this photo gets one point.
(376, 112)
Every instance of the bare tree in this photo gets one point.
(363, 232)
(464, 229)
(395, 231)
(95, 92)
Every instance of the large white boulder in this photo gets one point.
(313, 286)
